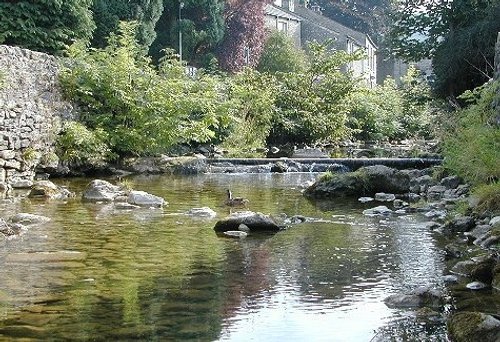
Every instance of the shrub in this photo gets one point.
(471, 144)
(488, 196)
(142, 110)
(281, 55)
(78, 146)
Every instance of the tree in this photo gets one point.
(202, 28)
(312, 106)
(245, 34)
(459, 35)
(281, 55)
(108, 13)
(47, 26)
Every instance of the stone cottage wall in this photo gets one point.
(31, 110)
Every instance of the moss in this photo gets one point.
(463, 325)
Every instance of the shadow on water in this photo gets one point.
(162, 275)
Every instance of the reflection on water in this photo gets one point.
(162, 275)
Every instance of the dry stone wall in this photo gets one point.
(31, 111)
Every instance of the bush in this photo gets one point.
(281, 55)
(471, 144)
(488, 196)
(142, 110)
(78, 146)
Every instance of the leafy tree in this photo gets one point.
(252, 97)
(108, 13)
(140, 108)
(202, 28)
(47, 26)
(281, 55)
(459, 35)
(312, 106)
(245, 34)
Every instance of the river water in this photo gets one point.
(159, 275)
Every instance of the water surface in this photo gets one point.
(159, 275)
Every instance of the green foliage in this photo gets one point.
(142, 110)
(281, 55)
(47, 26)
(76, 145)
(202, 28)
(488, 196)
(312, 106)
(252, 97)
(108, 14)
(459, 35)
(389, 111)
(471, 143)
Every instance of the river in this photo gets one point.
(159, 275)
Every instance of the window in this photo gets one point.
(283, 26)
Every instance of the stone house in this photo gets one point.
(306, 23)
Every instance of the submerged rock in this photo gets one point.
(236, 234)
(28, 219)
(381, 210)
(476, 285)
(204, 212)
(473, 326)
(383, 197)
(422, 296)
(254, 221)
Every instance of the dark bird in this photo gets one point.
(235, 201)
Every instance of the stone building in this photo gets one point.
(308, 24)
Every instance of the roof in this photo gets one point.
(281, 12)
(324, 22)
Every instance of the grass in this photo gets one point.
(488, 196)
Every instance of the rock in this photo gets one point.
(450, 279)
(279, 167)
(479, 231)
(399, 204)
(144, 199)
(125, 206)
(494, 221)
(47, 189)
(100, 190)
(378, 211)
(441, 214)
(21, 184)
(428, 315)
(254, 221)
(244, 228)
(296, 219)
(459, 225)
(204, 212)
(450, 182)
(490, 241)
(365, 199)
(29, 219)
(11, 229)
(412, 197)
(421, 184)
(370, 179)
(463, 268)
(383, 197)
(422, 296)
(452, 251)
(476, 285)
(473, 326)
(38, 257)
(435, 192)
(236, 234)
(4, 187)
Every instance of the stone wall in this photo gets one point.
(31, 110)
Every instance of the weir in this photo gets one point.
(351, 163)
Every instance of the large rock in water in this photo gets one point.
(366, 180)
(101, 190)
(473, 326)
(47, 189)
(254, 221)
(144, 199)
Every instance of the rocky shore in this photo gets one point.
(470, 242)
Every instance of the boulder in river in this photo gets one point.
(28, 219)
(204, 212)
(422, 296)
(366, 180)
(100, 190)
(473, 326)
(144, 199)
(47, 189)
(254, 221)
